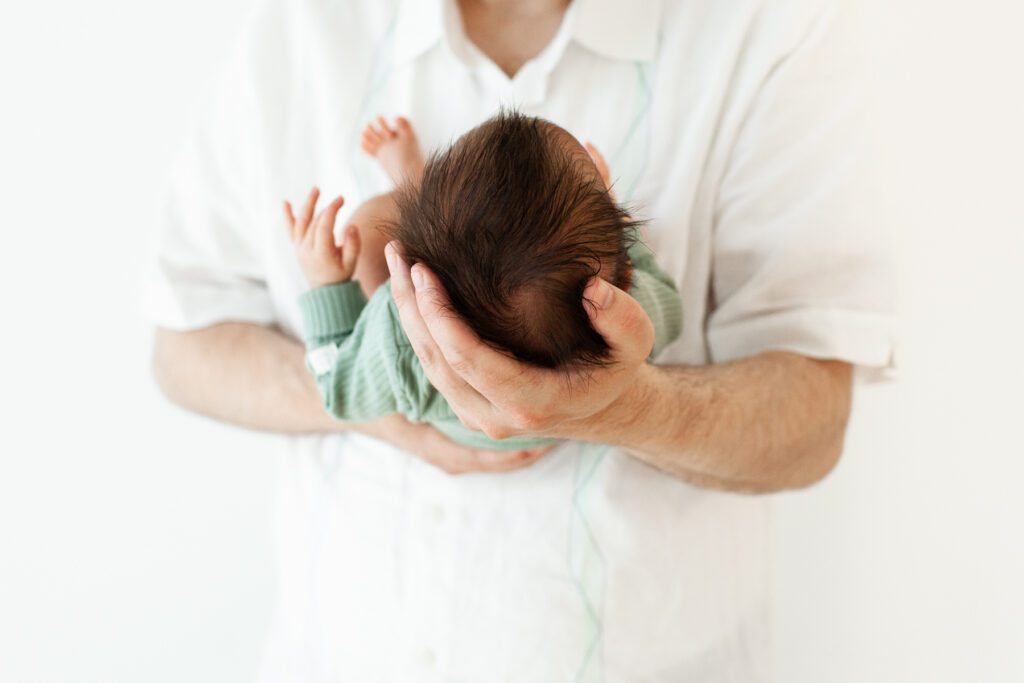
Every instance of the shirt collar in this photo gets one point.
(626, 30)
(419, 25)
(618, 29)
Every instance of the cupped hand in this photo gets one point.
(435, 448)
(500, 396)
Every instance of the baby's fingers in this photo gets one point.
(350, 246)
(323, 237)
(389, 132)
(306, 216)
(289, 219)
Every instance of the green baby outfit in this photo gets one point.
(365, 367)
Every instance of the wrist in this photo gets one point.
(329, 313)
(632, 410)
(318, 284)
(662, 416)
(623, 422)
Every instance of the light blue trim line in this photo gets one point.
(380, 72)
(329, 464)
(591, 667)
(641, 118)
(591, 555)
(644, 82)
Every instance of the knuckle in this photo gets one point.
(495, 431)
(527, 418)
(459, 363)
(399, 293)
(404, 305)
(426, 354)
(467, 421)
(430, 297)
(430, 303)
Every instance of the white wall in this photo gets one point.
(134, 539)
(908, 563)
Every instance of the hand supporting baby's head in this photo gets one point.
(515, 219)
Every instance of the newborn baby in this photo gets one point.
(514, 219)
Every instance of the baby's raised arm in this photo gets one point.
(346, 338)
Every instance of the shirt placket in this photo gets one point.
(429, 575)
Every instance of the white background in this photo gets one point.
(134, 539)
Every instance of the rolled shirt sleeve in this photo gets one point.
(208, 264)
(803, 256)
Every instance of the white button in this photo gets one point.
(437, 512)
(428, 660)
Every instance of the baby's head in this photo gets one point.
(515, 219)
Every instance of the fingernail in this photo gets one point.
(417, 278)
(389, 255)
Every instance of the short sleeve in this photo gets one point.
(207, 264)
(803, 253)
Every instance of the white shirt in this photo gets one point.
(736, 127)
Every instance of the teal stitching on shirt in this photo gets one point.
(588, 573)
(591, 556)
(641, 116)
(321, 519)
(644, 82)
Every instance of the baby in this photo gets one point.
(514, 219)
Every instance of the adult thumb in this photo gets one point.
(620, 319)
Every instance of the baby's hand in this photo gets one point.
(322, 261)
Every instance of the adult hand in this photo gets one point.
(500, 396)
(432, 446)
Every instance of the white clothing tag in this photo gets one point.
(322, 358)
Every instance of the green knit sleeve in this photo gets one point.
(657, 293)
(350, 350)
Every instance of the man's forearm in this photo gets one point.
(246, 374)
(772, 422)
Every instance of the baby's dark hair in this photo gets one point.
(514, 219)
